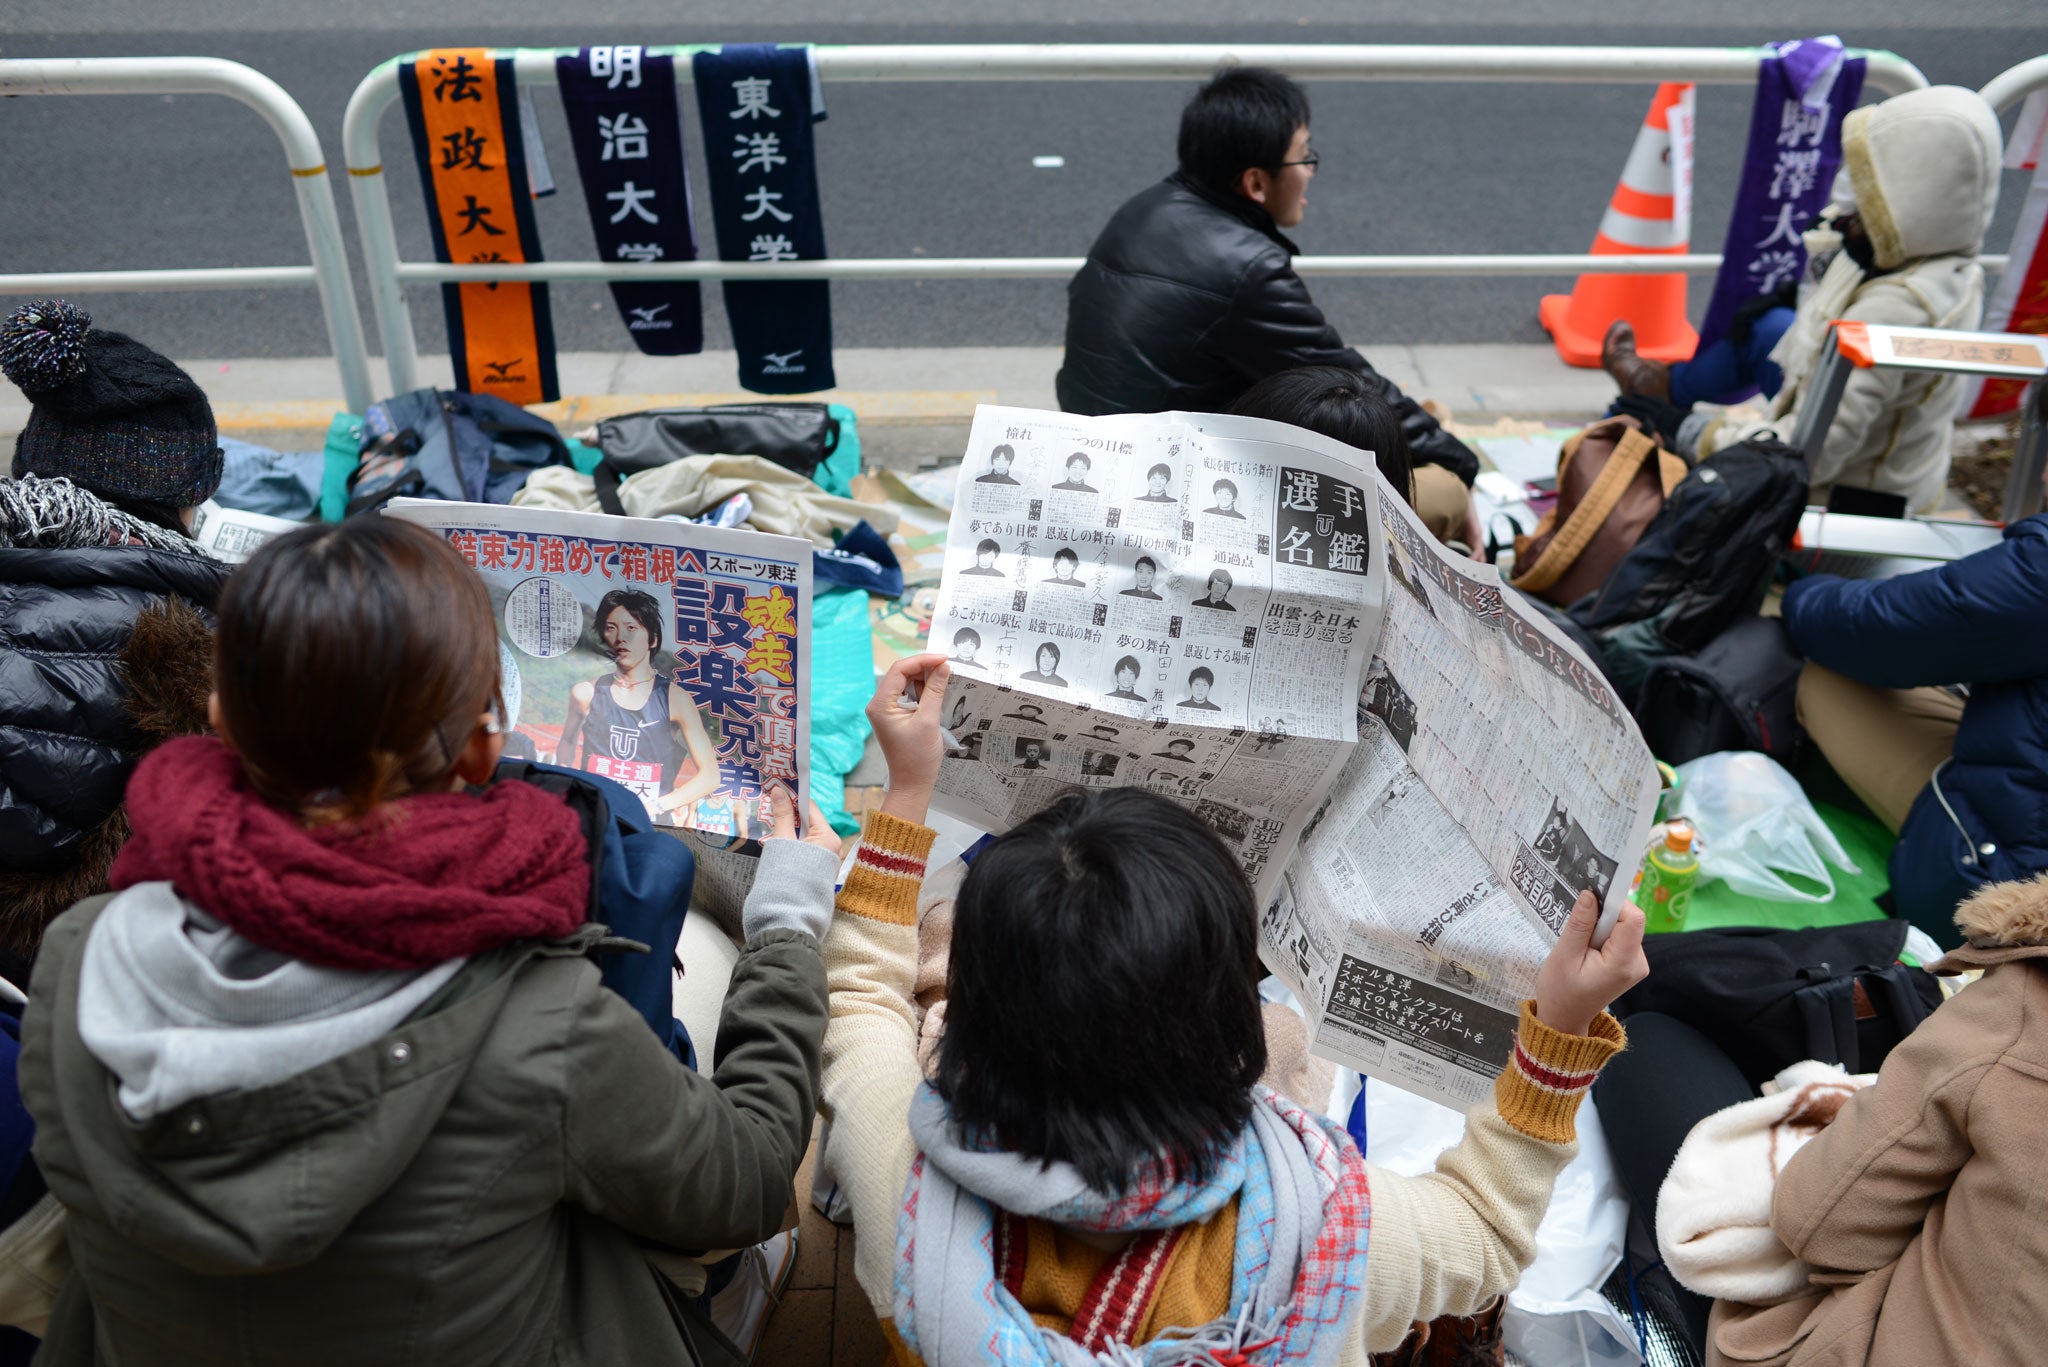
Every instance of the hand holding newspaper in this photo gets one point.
(1416, 770)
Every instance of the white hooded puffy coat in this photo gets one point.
(1925, 166)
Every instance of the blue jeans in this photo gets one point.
(1727, 372)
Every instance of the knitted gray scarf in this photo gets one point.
(55, 514)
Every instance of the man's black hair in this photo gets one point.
(1004, 452)
(640, 606)
(1145, 560)
(1044, 646)
(1066, 553)
(1335, 403)
(1082, 456)
(1224, 575)
(1129, 662)
(989, 543)
(1203, 673)
(1244, 117)
(1223, 484)
(966, 633)
(1180, 740)
(1160, 469)
(1102, 992)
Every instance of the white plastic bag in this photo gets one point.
(1754, 822)
(1556, 1316)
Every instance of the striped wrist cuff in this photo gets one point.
(888, 870)
(1539, 1091)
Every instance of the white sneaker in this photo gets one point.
(741, 1311)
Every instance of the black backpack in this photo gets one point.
(1705, 561)
(1739, 692)
(1773, 997)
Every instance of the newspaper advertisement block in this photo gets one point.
(1139, 601)
(1418, 772)
(667, 656)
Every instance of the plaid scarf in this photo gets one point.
(1299, 1270)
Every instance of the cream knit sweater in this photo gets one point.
(1448, 1242)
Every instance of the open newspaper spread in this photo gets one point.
(667, 656)
(1415, 769)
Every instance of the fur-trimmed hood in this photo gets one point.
(1925, 165)
(2003, 922)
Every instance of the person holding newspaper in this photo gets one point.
(1091, 1168)
(333, 1077)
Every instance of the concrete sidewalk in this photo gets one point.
(915, 404)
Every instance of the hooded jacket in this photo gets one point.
(1189, 298)
(1919, 1206)
(1925, 167)
(475, 1185)
(106, 650)
(1984, 816)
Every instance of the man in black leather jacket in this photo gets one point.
(1189, 296)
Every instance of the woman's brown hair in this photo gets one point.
(354, 664)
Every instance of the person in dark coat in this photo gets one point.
(107, 644)
(1189, 296)
(1929, 695)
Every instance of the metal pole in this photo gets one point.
(214, 76)
(2014, 84)
(199, 278)
(365, 163)
(2029, 458)
(1810, 430)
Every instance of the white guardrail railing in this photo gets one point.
(388, 274)
(213, 76)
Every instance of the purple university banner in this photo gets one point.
(1795, 146)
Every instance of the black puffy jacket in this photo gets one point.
(67, 737)
(1188, 299)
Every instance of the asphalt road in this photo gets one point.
(938, 169)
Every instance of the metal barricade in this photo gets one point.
(213, 76)
(1055, 62)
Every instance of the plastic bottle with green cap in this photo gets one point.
(1663, 886)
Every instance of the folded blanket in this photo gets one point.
(1714, 1210)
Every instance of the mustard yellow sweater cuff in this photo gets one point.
(888, 870)
(1539, 1091)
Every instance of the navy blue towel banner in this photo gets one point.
(628, 133)
(755, 104)
(1803, 90)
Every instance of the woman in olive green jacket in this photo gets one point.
(331, 1077)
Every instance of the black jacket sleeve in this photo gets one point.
(1274, 325)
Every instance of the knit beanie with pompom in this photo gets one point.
(110, 414)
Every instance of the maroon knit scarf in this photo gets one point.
(427, 879)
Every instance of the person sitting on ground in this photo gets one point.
(1189, 296)
(1928, 693)
(107, 645)
(1915, 1208)
(332, 1077)
(1898, 245)
(1091, 1129)
(1330, 401)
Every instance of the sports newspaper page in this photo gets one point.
(668, 656)
(1416, 770)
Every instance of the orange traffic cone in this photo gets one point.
(1642, 217)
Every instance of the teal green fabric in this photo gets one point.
(835, 473)
(582, 455)
(842, 681)
(344, 445)
(1868, 845)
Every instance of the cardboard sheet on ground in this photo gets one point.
(1415, 770)
(670, 657)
